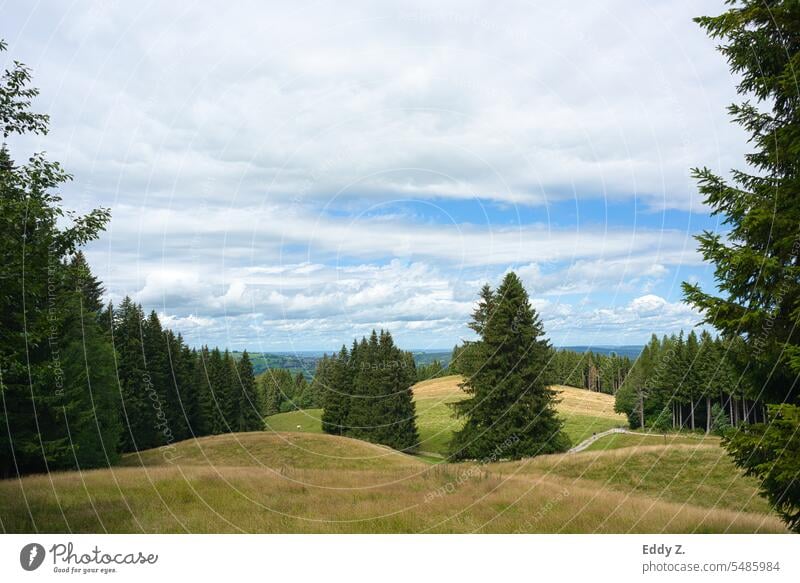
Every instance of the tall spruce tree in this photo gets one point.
(249, 404)
(757, 265)
(138, 413)
(510, 412)
(336, 395)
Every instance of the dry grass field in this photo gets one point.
(246, 483)
(305, 481)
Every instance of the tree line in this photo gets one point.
(690, 382)
(80, 382)
(367, 392)
(284, 391)
(602, 373)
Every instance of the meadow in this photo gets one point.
(287, 479)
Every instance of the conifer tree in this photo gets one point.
(337, 391)
(757, 272)
(203, 423)
(34, 243)
(394, 415)
(154, 344)
(360, 415)
(510, 412)
(249, 404)
(138, 414)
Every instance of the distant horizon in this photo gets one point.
(311, 351)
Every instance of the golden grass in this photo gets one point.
(444, 498)
(275, 450)
(583, 402)
(280, 482)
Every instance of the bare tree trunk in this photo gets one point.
(744, 410)
(730, 410)
(708, 414)
(673, 414)
(641, 409)
(691, 413)
(680, 416)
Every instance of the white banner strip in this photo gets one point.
(400, 558)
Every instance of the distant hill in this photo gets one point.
(629, 350)
(306, 361)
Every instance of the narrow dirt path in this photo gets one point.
(587, 442)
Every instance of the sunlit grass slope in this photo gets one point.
(584, 413)
(253, 483)
(290, 480)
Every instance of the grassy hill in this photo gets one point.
(277, 482)
(289, 480)
(584, 412)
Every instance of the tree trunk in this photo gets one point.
(730, 410)
(691, 413)
(673, 414)
(641, 409)
(708, 414)
(744, 410)
(680, 416)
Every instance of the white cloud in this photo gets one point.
(247, 148)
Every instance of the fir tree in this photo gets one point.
(757, 272)
(249, 404)
(510, 412)
(138, 414)
(336, 396)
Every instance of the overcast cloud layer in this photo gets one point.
(287, 175)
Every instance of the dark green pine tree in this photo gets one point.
(219, 374)
(180, 399)
(757, 271)
(510, 412)
(202, 424)
(138, 415)
(249, 404)
(708, 371)
(336, 395)
(483, 311)
(394, 415)
(312, 399)
(85, 430)
(154, 343)
(91, 288)
(360, 418)
(189, 392)
(690, 384)
(299, 394)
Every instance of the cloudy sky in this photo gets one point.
(284, 176)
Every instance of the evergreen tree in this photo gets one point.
(34, 244)
(336, 398)
(156, 358)
(394, 414)
(510, 412)
(757, 271)
(138, 414)
(201, 382)
(360, 415)
(219, 384)
(483, 311)
(90, 287)
(249, 405)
